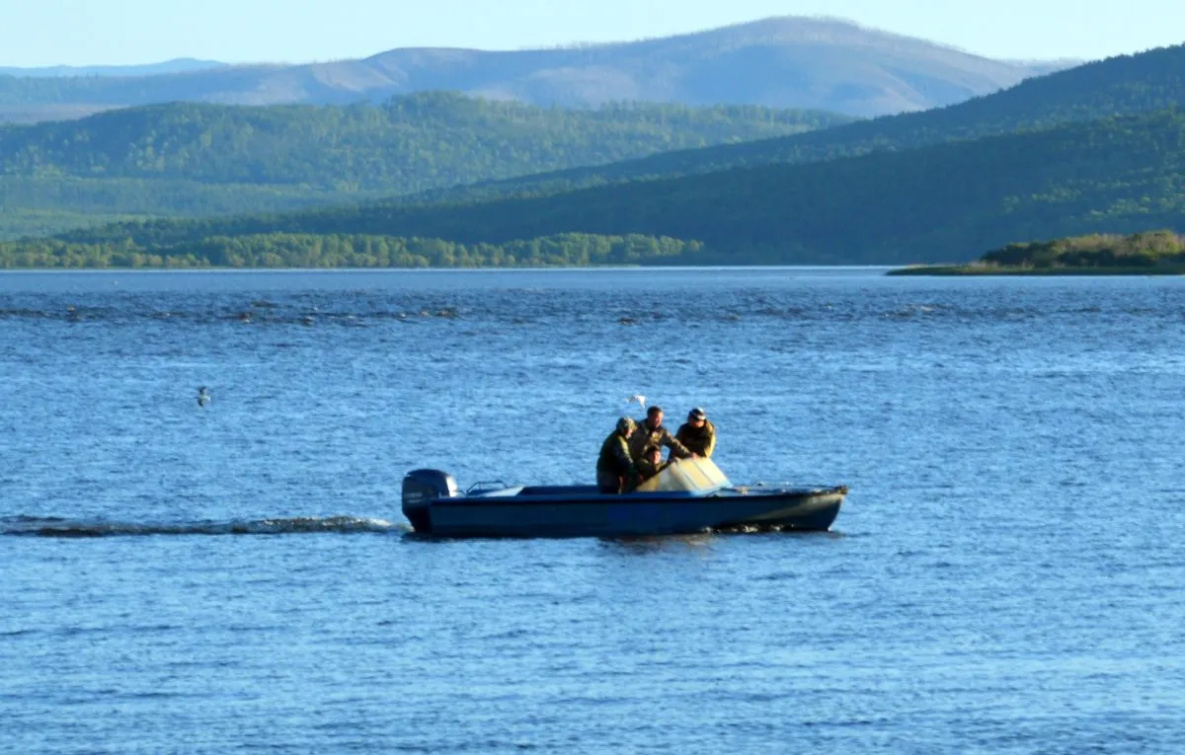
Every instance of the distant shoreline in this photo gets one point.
(426, 270)
(986, 270)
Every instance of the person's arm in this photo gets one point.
(633, 474)
(635, 444)
(681, 434)
(711, 442)
(624, 459)
(678, 450)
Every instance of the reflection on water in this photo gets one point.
(644, 545)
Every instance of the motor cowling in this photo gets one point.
(420, 488)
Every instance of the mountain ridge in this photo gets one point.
(198, 159)
(176, 65)
(785, 62)
(1123, 84)
(1097, 148)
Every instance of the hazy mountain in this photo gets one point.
(177, 65)
(810, 63)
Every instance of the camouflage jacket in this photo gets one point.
(644, 436)
(615, 457)
(701, 440)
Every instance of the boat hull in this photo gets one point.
(582, 512)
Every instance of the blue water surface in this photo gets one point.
(1006, 575)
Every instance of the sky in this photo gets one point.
(122, 32)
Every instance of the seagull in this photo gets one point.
(638, 399)
(203, 397)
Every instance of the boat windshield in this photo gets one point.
(693, 475)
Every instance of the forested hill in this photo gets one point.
(940, 203)
(939, 186)
(191, 159)
(1123, 85)
(778, 62)
(406, 145)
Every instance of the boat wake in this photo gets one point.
(58, 527)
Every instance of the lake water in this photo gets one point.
(1006, 576)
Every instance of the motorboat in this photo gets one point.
(687, 496)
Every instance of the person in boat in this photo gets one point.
(698, 434)
(651, 433)
(650, 464)
(616, 470)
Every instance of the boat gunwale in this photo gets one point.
(680, 497)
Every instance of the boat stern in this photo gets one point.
(420, 488)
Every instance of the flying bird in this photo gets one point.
(638, 399)
(203, 397)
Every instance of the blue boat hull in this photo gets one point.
(583, 512)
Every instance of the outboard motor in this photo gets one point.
(420, 488)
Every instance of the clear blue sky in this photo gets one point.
(82, 32)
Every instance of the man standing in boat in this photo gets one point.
(698, 434)
(616, 470)
(651, 433)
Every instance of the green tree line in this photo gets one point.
(1137, 250)
(279, 250)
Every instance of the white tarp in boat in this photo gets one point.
(700, 475)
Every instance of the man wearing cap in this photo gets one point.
(616, 471)
(698, 434)
(650, 432)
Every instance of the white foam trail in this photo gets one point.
(60, 527)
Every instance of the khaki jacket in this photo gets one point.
(615, 457)
(644, 436)
(616, 471)
(701, 440)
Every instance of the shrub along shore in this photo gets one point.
(1151, 253)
